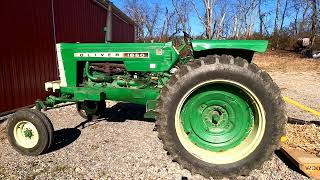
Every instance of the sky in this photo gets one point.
(197, 27)
(194, 21)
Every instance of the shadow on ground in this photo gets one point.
(125, 111)
(64, 137)
(120, 112)
(117, 113)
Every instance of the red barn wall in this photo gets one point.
(27, 53)
(29, 32)
(79, 21)
(84, 21)
(123, 31)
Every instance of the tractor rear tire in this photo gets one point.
(220, 116)
(29, 132)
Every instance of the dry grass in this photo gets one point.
(285, 61)
(306, 137)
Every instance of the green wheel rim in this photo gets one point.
(220, 121)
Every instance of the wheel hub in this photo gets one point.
(27, 133)
(217, 118)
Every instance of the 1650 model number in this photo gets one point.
(136, 55)
(113, 54)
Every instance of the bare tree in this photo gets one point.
(243, 8)
(283, 14)
(182, 9)
(207, 18)
(252, 6)
(276, 22)
(224, 19)
(151, 17)
(235, 28)
(314, 20)
(146, 17)
(262, 14)
(296, 7)
(134, 9)
(219, 30)
(167, 25)
(276, 25)
(306, 4)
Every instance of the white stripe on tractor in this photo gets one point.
(62, 73)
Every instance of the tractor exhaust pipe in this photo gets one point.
(108, 37)
(107, 5)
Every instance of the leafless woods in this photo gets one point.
(278, 20)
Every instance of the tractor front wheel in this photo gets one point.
(30, 132)
(220, 116)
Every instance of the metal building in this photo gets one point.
(29, 31)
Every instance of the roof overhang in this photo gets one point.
(105, 4)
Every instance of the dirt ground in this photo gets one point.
(299, 79)
(124, 145)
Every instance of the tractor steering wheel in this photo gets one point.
(187, 38)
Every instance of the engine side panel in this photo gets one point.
(136, 57)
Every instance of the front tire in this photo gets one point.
(30, 132)
(220, 116)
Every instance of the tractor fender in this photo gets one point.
(237, 48)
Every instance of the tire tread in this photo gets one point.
(234, 63)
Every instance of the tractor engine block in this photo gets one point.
(116, 75)
(108, 68)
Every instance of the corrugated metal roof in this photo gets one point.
(116, 10)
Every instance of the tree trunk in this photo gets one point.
(284, 15)
(314, 25)
(218, 35)
(251, 19)
(304, 16)
(260, 19)
(182, 10)
(245, 17)
(296, 23)
(235, 27)
(276, 29)
(163, 25)
(206, 19)
(277, 18)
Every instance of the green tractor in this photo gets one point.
(216, 112)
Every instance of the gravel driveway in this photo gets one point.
(124, 146)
